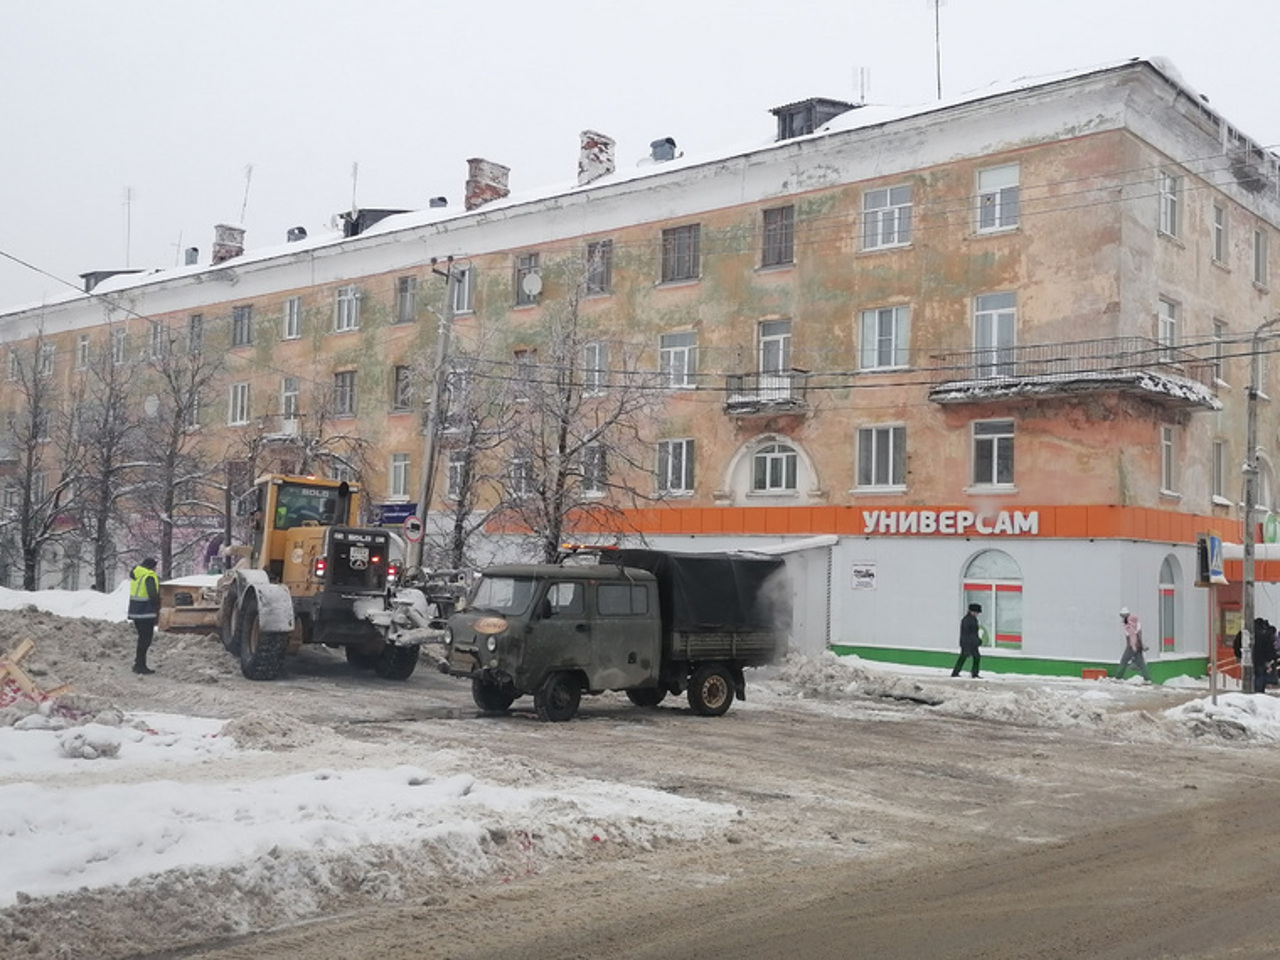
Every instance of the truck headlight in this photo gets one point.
(448, 637)
(492, 643)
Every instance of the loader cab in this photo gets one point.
(290, 516)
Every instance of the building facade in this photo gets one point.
(998, 349)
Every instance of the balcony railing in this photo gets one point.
(1127, 364)
(765, 392)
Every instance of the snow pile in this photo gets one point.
(1236, 716)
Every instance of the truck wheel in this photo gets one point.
(558, 697)
(492, 697)
(396, 663)
(646, 696)
(261, 652)
(227, 624)
(361, 658)
(711, 690)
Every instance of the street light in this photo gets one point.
(1250, 499)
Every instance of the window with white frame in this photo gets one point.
(681, 253)
(1167, 328)
(993, 453)
(341, 470)
(48, 352)
(347, 308)
(292, 319)
(457, 395)
(1170, 204)
(779, 237)
(344, 393)
(1219, 350)
(238, 411)
(191, 418)
(1219, 478)
(1167, 479)
(15, 365)
(599, 279)
(406, 299)
(195, 334)
(675, 466)
(775, 347)
(463, 278)
(998, 196)
(398, 485)
(289, 392)
(402, 389)
(521, 476)
(526, 362)
(678, 359)
(886, 217)
(1260, 245)
(995, 321)
(882, 456)
(528, 281)
(82, 352)
(885, 335)
(1219, 229)
(594, 469)
(595, 367)
(774, 468)
(459, 471)
(242, 325)
(119, 345)
(158, 344)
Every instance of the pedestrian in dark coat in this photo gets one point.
(1264, 652)
(970, 640)
(144, 609)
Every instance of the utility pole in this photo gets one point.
(431, 437)
(1250, 499)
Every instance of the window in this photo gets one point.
(1219, 350)
(195, 334)
(289, 398)
(528, 282)
(1219, 479)
(775, 347)
(774, 469)
(399, 485)
(119, 345)
(457, 389)
(525, 363)
(459, 473)
(347, 308)
(885, 333)
(998, 198)
(1167, 478)
(406, 299)
(15, 365)
(994, 322)
(344, 393)
(678, 359)
(48, 351)
(994, 579)
(341, 470)
(1170, 204)
(594, 469)
(681, 253)
(402, 389)
(292, 329)
(1167, 329)
(595, 367)
(1219, 234)
(886, 218)
(622, 600)
(238, 412)
(158, 343)
(463, 278)
(82, 352)
(242, 325)
(599, 278)
(1169, 604)
(191, 420)
(779, 237)
(675, 466)
(522, 480)
(882, 456)
(1260, 257)
(993, 453)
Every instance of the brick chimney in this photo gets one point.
(595, 157)
(486, 181)
(228, 242)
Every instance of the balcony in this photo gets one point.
(1131, 365)
(766, 393)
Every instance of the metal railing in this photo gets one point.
(747, 391)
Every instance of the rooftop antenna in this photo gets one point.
(864, 79)
(177, 250)
(937, 43)
(128, 222)
(355, 175)
(244, 204)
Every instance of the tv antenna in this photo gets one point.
(244, 204)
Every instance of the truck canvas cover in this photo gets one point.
(720, 592)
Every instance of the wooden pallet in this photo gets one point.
(13, 676)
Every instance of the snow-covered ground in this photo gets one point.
(95, 799)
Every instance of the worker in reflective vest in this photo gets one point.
(144, 609)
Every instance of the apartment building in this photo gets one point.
(995, 349)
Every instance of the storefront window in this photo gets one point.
(1168, 604)
(993, 579)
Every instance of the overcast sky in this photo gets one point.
(170, 103)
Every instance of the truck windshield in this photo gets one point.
(297, 504)
(503, 594)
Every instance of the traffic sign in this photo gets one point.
(413, 529)
(392, 513)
